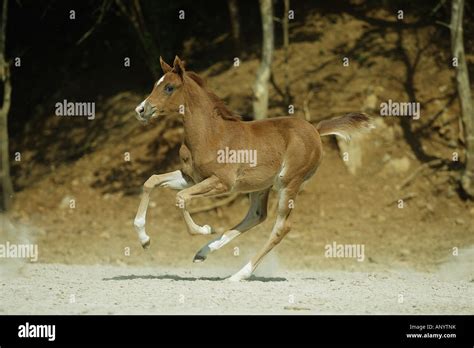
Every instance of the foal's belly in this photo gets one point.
(247, 185)
(258, 178)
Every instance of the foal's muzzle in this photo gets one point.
(145, 111)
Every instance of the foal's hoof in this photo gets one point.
(235, 279)
(146, 244)
(201, 230)
(199, 258)
(208, 229)
(201, 255)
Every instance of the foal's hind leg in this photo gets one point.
(257, 213)
(280, 229)
(174, 180)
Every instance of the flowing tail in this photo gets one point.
(346, 125)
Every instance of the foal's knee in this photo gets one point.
(150, 183)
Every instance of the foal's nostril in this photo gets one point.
(140, 109)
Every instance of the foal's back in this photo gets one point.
(297, 137)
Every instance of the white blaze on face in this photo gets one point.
(160, 80)
(141, 108)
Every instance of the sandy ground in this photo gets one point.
(98, 289)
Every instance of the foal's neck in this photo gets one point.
(202, 124)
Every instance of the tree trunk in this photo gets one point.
(260, 89)
(464, 92)
(286, 46)
(150, 49)
(235, 24)
(6, 193)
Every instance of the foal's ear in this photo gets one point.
(166, 68)
(178, 66)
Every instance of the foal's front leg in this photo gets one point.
(211, 186)
(174, 180)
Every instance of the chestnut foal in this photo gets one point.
(287, 152)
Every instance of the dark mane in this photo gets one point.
(219, 105)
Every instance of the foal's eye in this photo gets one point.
(169, 89)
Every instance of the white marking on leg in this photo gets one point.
(255, 215)
(244, 273)
(225, 238)
(178, 182)
(193, 227)
(173, 180)
(140, 228)
(211, 186)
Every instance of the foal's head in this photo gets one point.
(167, 94)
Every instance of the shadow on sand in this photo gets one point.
(191, 279)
